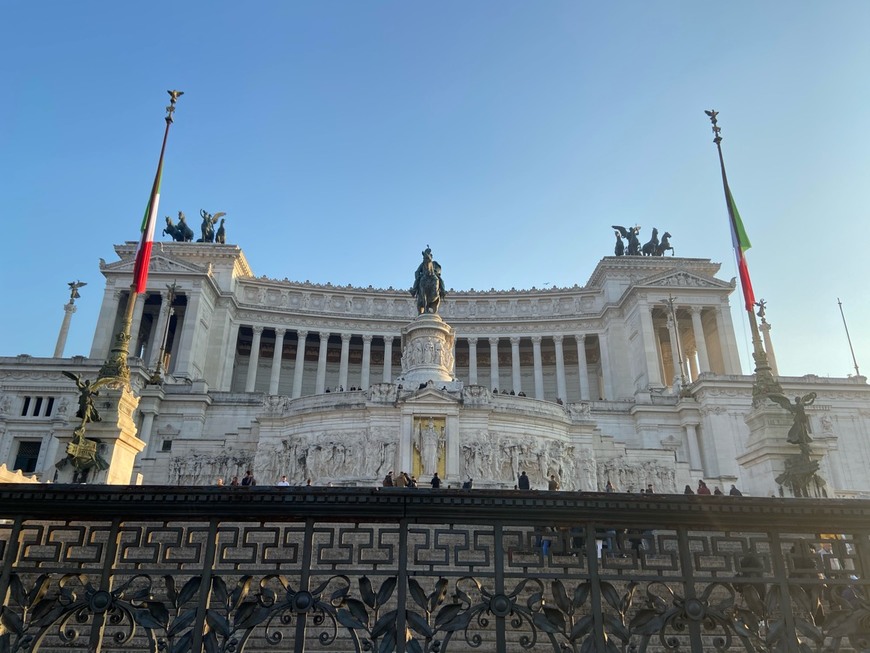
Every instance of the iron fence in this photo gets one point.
(102, 568)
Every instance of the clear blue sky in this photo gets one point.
(341, 137)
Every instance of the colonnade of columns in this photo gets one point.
(367, 359)
(681, 347)
(147, 340)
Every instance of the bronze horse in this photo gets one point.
(427, 285)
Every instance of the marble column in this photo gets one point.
(650, 346)
(693, 366)
(254, 360)
(157, 339)
(388, 359)
(582, 367)
(493, 363)
(700, 339)
(728, 343)
(694, 447)
(229, 357)
(345, 352)
(320, 384)
(606, 372)
(675, 356)
(472, 361)
(185, 353)
(275, 377)
(764, 327)
(539, 369)
(68, 309)
(299, 367)
(516, 379)
(104, 335)
(145, 430)
(561, 386)
(366, 362)
(136, 324)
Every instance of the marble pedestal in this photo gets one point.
(427, 352)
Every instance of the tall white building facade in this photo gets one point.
(303, 379)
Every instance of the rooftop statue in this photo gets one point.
(208, 223)
(653, 247)
(428, 287)
(181, 232)
(630, 235)
(221, 235)
(74, 290)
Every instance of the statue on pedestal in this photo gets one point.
(799, 433)
(208, 223)
(428, 287)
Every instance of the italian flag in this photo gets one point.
(149, 222)
(741, 243)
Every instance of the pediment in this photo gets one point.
(683, 279)
(430, 395)
(159, 263)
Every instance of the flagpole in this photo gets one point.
(848, 337)
(765, 383)
(115, 366)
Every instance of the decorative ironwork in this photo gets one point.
(338, 569)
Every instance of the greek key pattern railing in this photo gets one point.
(328, 569)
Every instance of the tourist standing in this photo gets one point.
(702, 488)
(283, 482)
(249, 480)
(553, 485)
(734, 492)
(436, 482)
(388, 480)
(523, 482)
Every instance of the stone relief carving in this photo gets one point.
(427, 350)
(204, 469)
(383, 393)
(632, 478)
(490, 456)
(321, 456)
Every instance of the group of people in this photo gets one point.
(405, 480)
(247, 480)
(703, 489)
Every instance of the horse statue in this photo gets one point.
(221, 235)
(664, 245)
(428, 287)
(630, 234)
(651, 247)
(619, 250)
(181, 232)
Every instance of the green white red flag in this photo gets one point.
(149, 223)
(741, 243)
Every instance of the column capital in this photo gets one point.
(558, 338)
(345, 337)
(493, 342)
(69, 308)
(324, 335)
(388, 340)
(258, 330)
(536, 340)
(279, 333)
(302, 335)
(580, 338)
(515, 341)
(696, 310)
(367, 338)
(472, 340)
